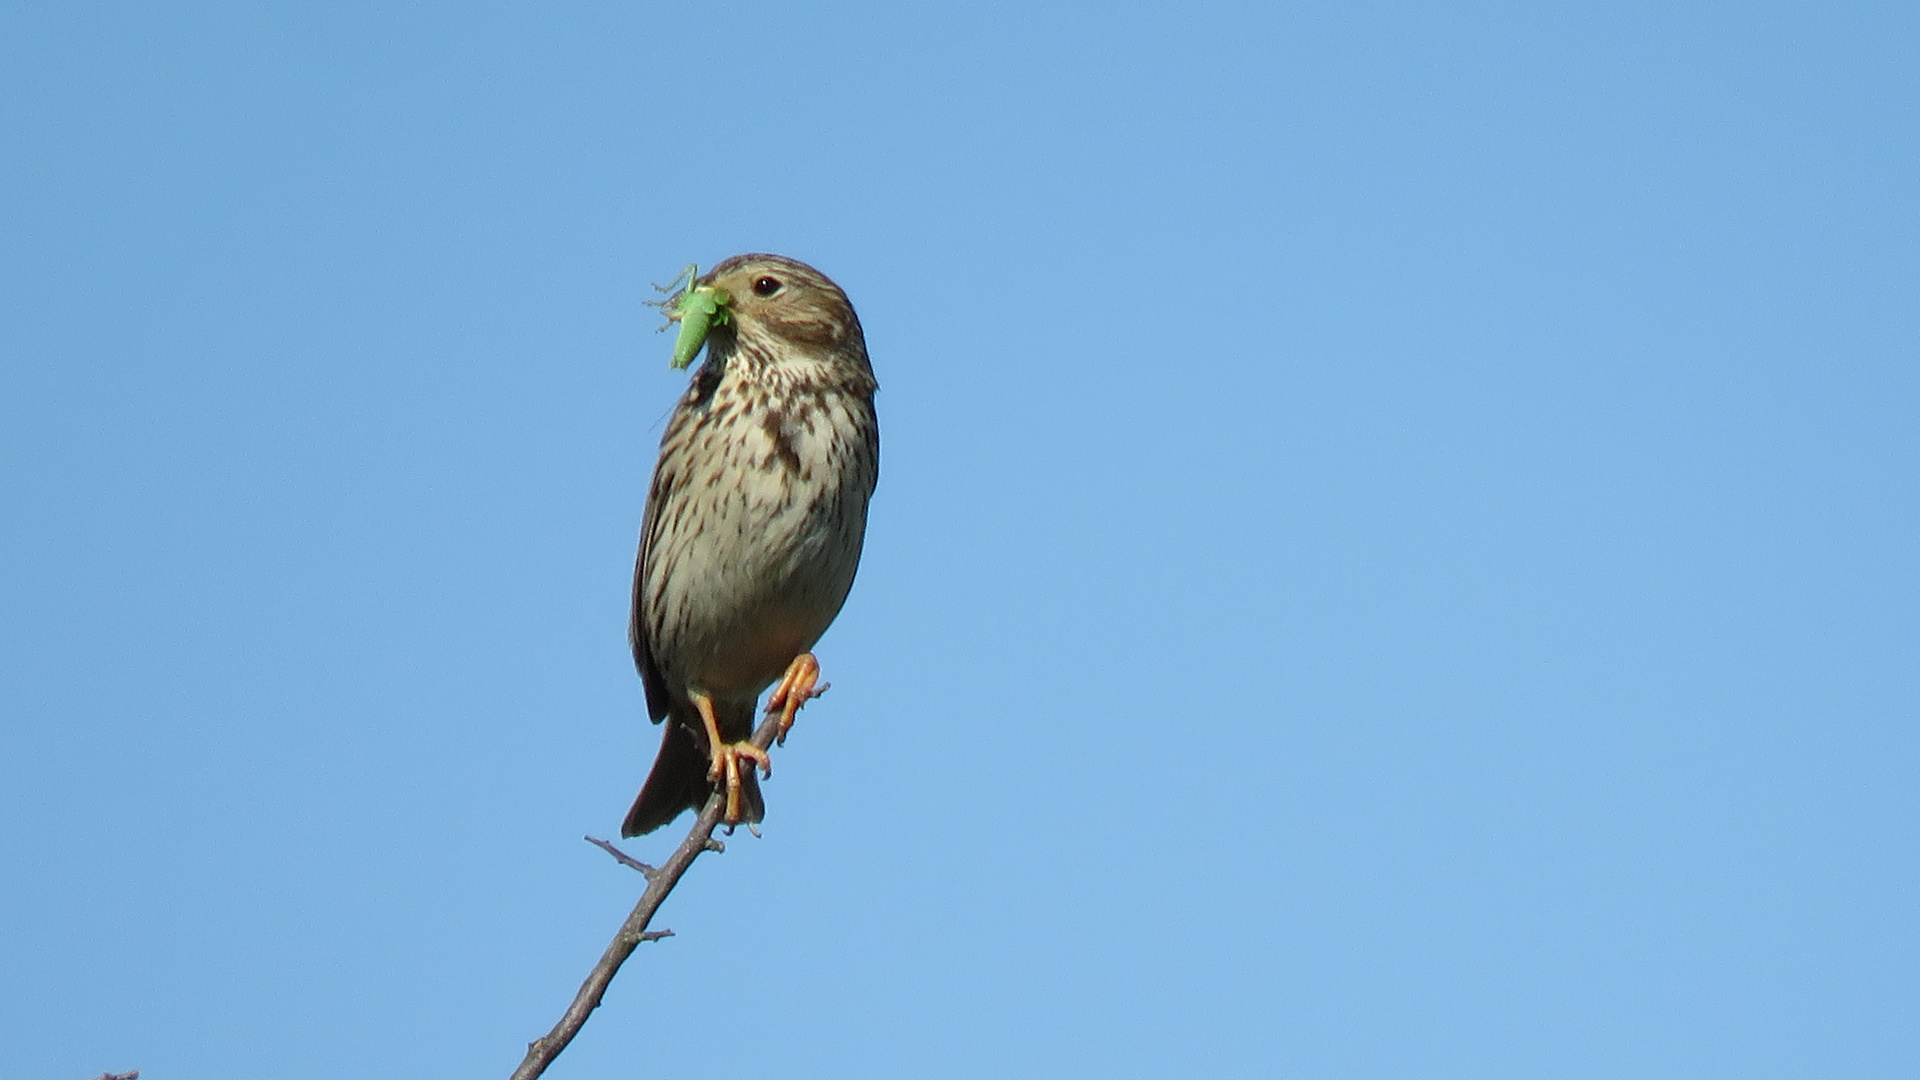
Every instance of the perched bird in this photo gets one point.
(753, 525)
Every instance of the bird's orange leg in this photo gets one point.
(725, 757)
(796, 689)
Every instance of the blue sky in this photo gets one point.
(1395, 554)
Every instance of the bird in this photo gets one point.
(754, 523)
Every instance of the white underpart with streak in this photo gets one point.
(798, 497)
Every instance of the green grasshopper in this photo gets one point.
(697, 308)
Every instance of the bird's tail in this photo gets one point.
(679, 782)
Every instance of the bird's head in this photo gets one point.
(776, 304)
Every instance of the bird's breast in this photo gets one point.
(758, 551)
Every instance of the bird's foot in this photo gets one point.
(796, 689)
(726, 764)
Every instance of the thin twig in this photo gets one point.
(660, 882)
(134, 1075)
(623, 858)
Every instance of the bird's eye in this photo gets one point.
(766, 286)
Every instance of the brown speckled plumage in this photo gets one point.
(755, 517)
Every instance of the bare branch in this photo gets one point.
(660, 881)
(134, 1075)
(624, 858)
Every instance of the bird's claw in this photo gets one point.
(795, 690)
(726, 765)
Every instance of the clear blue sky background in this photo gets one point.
(1395, 557)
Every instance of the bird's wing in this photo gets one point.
(643, 659)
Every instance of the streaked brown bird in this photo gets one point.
(752, 531)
